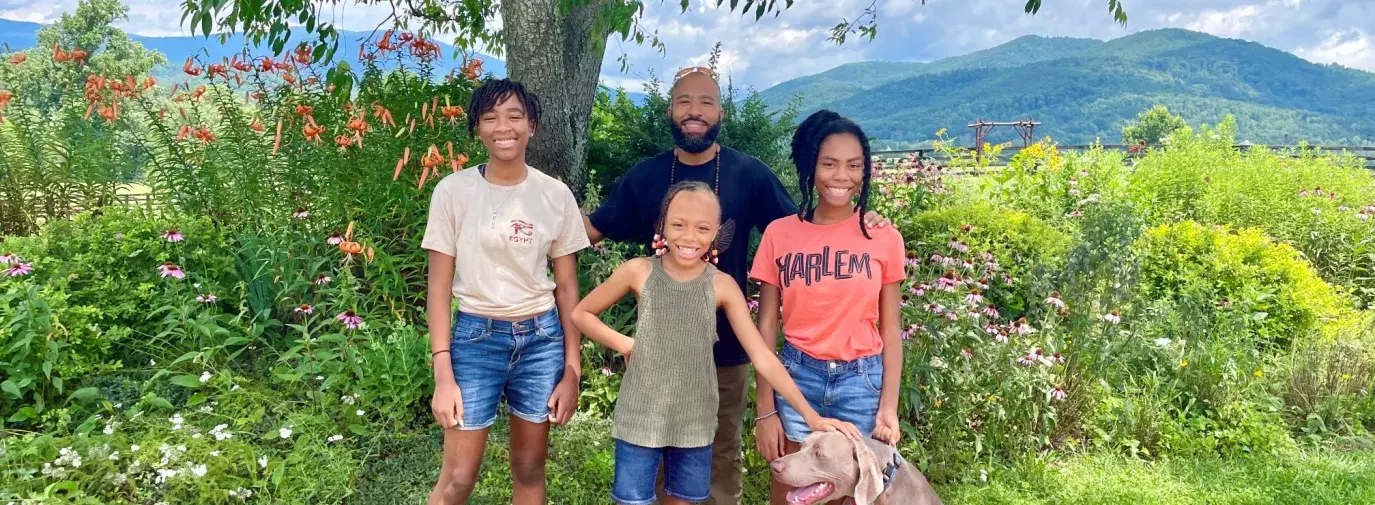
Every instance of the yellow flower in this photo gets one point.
(991, 399)
(940, 132)
(938, 404)
(1257, 373)
(1183, 364)
(1346, 376)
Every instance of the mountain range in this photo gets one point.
(1083, 90)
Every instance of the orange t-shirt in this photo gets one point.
(830, 277)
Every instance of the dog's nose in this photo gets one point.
(777, 466)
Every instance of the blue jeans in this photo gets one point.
(843, 390)
(521, 360)
(687, 473)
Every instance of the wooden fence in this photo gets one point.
(1365, 153)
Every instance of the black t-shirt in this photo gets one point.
(750, 194)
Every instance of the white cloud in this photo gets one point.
(1352, 48)
(630, 84)
(1230, 23)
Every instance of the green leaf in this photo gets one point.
(11, 389)
(57, 383)
(185, 357)
(85, 395)
(187, 381)
(360, 430)
(205, 24)
(23, 414)
(161, 403)
(195, 400)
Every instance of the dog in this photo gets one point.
(830, 466)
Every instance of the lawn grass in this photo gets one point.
(404, 468)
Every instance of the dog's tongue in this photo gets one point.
(810, 494)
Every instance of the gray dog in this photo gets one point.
(830, 466)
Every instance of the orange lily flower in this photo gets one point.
(149, 82)
(242, 66)
(205, 135)
(183, 132)
(359, 124)
(304, 110)
(257, 125)
(190, 70)
(196, 95)
(290, 79)
(282, 65)
(303, 54)
(405, 158)
(18, 58)
(217, 69)
(343, 141)
(266, 65)
(473, 69)
(5, 96)
(110, 113)
(312, 131)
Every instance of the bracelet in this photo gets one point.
(437, 353)
(766, 416)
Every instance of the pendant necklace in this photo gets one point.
(482, 170)
(716, 184)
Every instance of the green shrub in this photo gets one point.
(1278, 295)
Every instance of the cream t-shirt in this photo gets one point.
(501, 238)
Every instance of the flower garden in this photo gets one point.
(1188, 324)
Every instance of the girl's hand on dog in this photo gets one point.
(769, 439)
(447, 405)
(828, 424)
(886, 427)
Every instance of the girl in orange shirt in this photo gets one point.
(836, 283)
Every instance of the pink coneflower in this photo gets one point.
(1083, 173)
(8, 258)
(1022, 327)
(935, 308)
(1057, 357)
(300, 213)
(1055, 300)
(351, 321)
(17, 269)
(1001, 337)
(967, 353)
(961, 247)
(322, 279)
(991, 312)
(170, 269)
(952, 315)
(1026, 359)
(1073, 182)
(936, 258)
(1007, 280)
(974, 297)
(607, 372)
(982, 284)
(335, 238)
(1074, 191)
(948, 281)
(912, 331)
(753, 304)
(206, 298)
(913, 262)
(921, 289)
(305, 308)
(991, 328)
(1058, 393)
(1303, 193)
(968, 265)
(1112, 317)
(172, 235)
(974, 315)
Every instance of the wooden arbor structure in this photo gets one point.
(1026, 128)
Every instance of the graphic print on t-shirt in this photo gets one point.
(521, 231)
(814, 267)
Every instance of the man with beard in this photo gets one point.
(751, 196)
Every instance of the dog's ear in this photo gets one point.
(870, 483)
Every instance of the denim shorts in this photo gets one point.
(843, 390)
(521, 360)
(687, 473)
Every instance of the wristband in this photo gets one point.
(437, 353)
(766, 416)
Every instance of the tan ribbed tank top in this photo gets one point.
(668, 397)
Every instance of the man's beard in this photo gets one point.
(696, 144)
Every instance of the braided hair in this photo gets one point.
(806, 148)
(494, 91)
(680, 187)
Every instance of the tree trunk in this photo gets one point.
(558, 58)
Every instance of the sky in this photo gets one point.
(794, 44)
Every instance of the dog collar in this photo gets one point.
(890, 471)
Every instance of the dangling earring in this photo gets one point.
(659, 246)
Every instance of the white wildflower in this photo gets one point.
(334, 438)
(205, 377)
(134, 448)
(198, 471)
(1162, 342)
(360, 412)
(114, 456)
(215, 454)
(284, 432)
(262, 461)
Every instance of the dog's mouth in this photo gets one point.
(811, 494)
